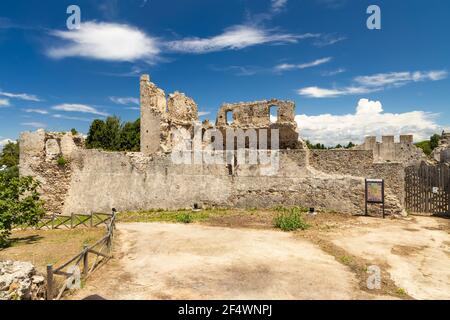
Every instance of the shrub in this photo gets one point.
(184, 218)
(20, 204)
(290, 220)
(61, 161)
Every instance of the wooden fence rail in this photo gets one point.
(80, 266)
(58, 221)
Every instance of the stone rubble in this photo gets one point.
(20, 281)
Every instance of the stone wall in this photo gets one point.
(390, 151)
(39, 154)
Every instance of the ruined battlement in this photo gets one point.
(388, 150)
(90, 180)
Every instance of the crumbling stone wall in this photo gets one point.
(256, 115)
(96, 181)
(442, 152)
(390, 151)
(39, 154)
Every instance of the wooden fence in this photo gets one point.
(57, 221)
(428, 189)
(84, 263)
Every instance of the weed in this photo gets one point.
(290, 220)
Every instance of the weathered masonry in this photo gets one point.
(96, 181)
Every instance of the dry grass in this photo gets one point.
(42, 247)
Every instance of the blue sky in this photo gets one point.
(347, 81)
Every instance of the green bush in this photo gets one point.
(184, 218)
(61, 161)
(290, 220)
(20, 204)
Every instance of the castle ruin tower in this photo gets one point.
(153, 111)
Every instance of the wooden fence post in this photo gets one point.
(53, 220)
(49, 282)
(92, 219)
(85, 261)
(71, 220)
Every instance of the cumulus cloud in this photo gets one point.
(4, 103)
(372, 83)
(369, 119)
(106, 41)
(124, 100)
(74, 107)
(315, 63)
(234, 38)
(21, 96)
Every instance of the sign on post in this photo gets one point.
(375, 192)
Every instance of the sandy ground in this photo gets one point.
(416, 252)
(177, 261)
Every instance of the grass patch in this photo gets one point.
(42, 247)
(290, 219)
(177, 216)
(184, 217)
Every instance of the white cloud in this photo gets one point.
(106, 41)
(60, 116)
(4, 103)
(333, 72)
(234, 38)
(400, 78)
(328, 40)
(372, 83)
(124, 100)
(68, 107)
(40, 111)
(368, 119)
(3, 142)
(316, 92)
(315, 63)
(278, 5)
(34, 124)
(21, 96)
(203, 113)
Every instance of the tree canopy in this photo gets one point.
(113, 135)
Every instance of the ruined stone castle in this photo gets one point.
(96, 180)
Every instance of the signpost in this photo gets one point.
(375, 192)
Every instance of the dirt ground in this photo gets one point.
(246, 261)
(42, 247)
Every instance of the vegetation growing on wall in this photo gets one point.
(429, 145)
(113, 135)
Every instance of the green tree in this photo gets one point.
(434, 141)
(74, 131)
(10, 155)
(112, 135)
(20, 204)
(350, 145)
(130, 136)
